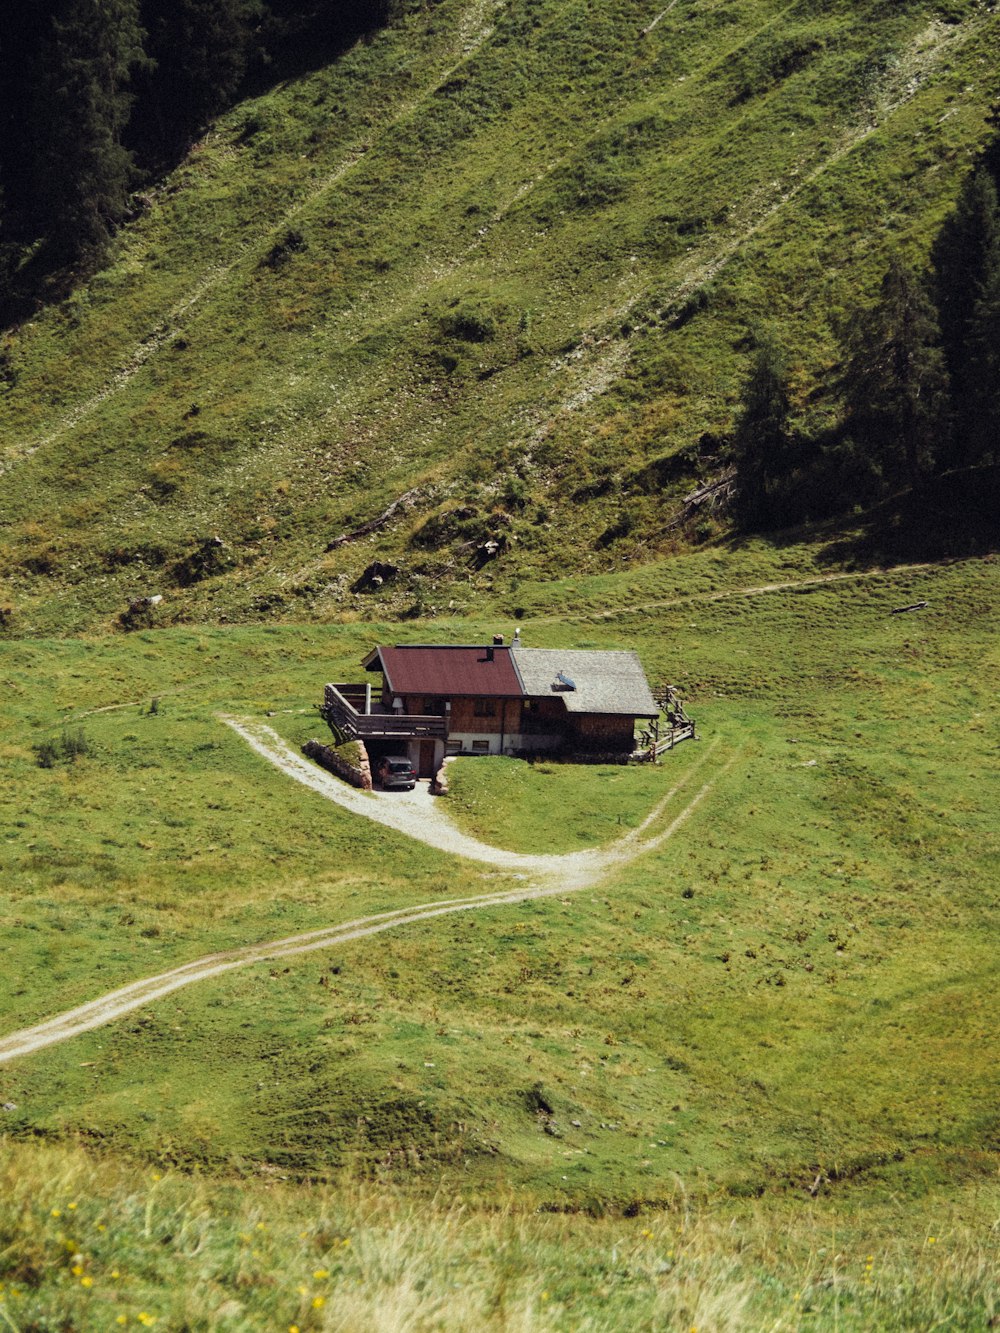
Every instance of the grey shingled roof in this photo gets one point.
(606, 682)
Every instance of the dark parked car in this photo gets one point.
(395, 773)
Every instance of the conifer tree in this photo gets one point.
(81, 172)
(966, 260)
(8, 256)
(20, 37)
(199, 51)
(761, 446)
(981, 411)
(896, 384)
(990, 156)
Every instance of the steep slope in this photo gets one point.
(504, 260)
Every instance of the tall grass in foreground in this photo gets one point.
(94, 1243)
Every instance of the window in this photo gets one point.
(485, 708)
(480, 747)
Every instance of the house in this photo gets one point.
(441, 699)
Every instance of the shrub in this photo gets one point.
(67, 748)
(468, 323)
(281, 252)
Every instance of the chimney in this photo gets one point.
(497, 640)
(489, 654)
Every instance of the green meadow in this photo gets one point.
(506, 264)
(782, 1019)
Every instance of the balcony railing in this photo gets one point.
(340, 708)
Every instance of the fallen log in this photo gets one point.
(403, 502)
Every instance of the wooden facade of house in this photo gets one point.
(436, 700)
(599, 731)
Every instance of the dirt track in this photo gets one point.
(726, 594)
(553, 875)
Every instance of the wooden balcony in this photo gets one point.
(340, 706)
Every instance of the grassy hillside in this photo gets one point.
(505, 260)
(747, 1003)
(765, 1050)
(114, 1240)
(503, 263)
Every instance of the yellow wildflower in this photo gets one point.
(122, 1319)
(56, 1212)
(318, 1302)
(146, 1319)
(86, 1282)
(321, 1273)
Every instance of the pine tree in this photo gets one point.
(966, 258)
(8, 256)
(81, 172)
(761, 446)
(981, 411)
(990, 155)
(199, 51)
(896, 384)
(20, 40)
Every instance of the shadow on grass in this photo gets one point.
(952, 516)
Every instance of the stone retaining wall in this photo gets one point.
(439, 782)
(358, 775)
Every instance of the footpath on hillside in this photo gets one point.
(549, 875)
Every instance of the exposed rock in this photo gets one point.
(376, 574)
(487, 551)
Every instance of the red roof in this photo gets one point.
(436, 669)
